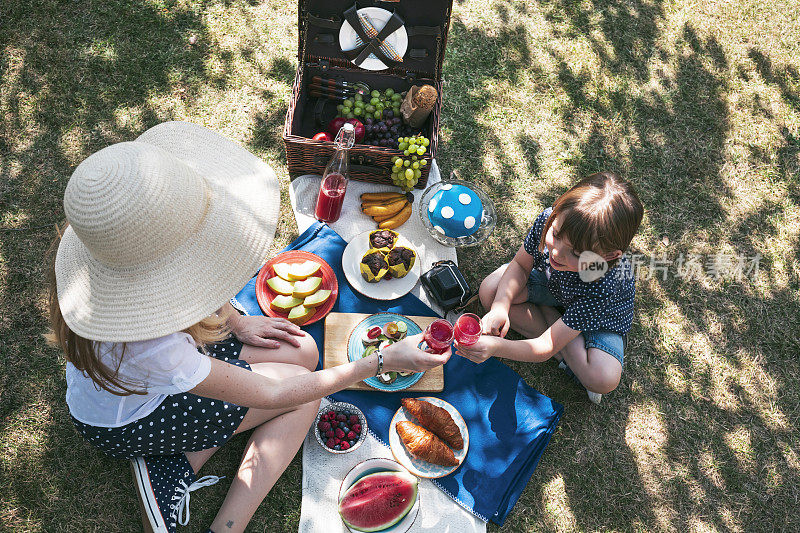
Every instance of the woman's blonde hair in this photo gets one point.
(84, 353)
(601, 213)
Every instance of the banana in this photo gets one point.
(398, 220)
(383, 210)
(372, 196)
(381, 218)
(385, 203)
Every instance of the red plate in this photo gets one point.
(265, 295)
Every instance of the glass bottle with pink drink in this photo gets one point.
(334, 180)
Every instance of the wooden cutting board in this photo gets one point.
(337, 331)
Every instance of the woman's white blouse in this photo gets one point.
(163, 366)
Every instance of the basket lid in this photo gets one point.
(426, 23)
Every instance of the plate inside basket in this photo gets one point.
(264, 294)
(355, 348)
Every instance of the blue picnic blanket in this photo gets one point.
(509, 422)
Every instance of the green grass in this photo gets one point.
(698, 104)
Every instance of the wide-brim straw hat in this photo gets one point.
(163, 231)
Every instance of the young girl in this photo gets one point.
(549, 295)
(162, 232)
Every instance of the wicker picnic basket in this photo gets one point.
(426, 22)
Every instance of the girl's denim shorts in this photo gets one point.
(607, 341)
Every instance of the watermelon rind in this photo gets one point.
(371, 488)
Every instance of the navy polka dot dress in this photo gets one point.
(183, 422)
(602, 305)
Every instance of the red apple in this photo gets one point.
(359, 127)
(335, 125)
(322, 136)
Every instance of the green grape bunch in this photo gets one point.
(407, 170)
(370, 105)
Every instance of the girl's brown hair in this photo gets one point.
(601, 213)
(84, 353)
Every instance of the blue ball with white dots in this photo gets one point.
(455, 211)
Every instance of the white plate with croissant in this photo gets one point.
(429, 437)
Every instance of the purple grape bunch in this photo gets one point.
(385, 131)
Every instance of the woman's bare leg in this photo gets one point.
(275, 440)
(306, 356)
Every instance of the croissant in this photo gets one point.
(425, 445)
(436, 420)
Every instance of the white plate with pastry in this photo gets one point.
(385, 289)
(424, 445)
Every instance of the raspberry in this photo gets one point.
(329, 443)
(339, 433)
(352, 435)
(331, 414)
(337, 441)
(321, 425)
(330, 434)
(353, 419)
(345, 445)
(325, 426)
(341, 418)
(356, 428)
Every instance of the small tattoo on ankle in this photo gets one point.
(229, 524)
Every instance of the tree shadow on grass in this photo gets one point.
(76, 79)
(697, 432)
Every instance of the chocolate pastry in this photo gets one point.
(373, 266)
(400, 260)
(382, 238)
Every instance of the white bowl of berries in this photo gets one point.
(340, 427)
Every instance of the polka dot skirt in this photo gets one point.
(183, 422)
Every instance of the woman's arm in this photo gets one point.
(236, 385)
(535, 350)
(263, 331)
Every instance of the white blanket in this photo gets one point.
(323, 471)
(303, 193)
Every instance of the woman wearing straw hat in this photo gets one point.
(162, 232)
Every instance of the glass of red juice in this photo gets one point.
(468, 328)
(331, 197)
(438, 336)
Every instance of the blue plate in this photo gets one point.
(355, 349)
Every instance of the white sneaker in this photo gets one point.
(594, 397)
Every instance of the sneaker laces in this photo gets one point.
(182, 495)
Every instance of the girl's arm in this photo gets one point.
(236, 385)
(535, 350)
(512, 283)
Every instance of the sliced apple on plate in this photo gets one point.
(301, 271)
(282, 270)
(283, 303)
(306, 287)
(281, 286)
(317, 299)
(300, 314)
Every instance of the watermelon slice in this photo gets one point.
(378, 501)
